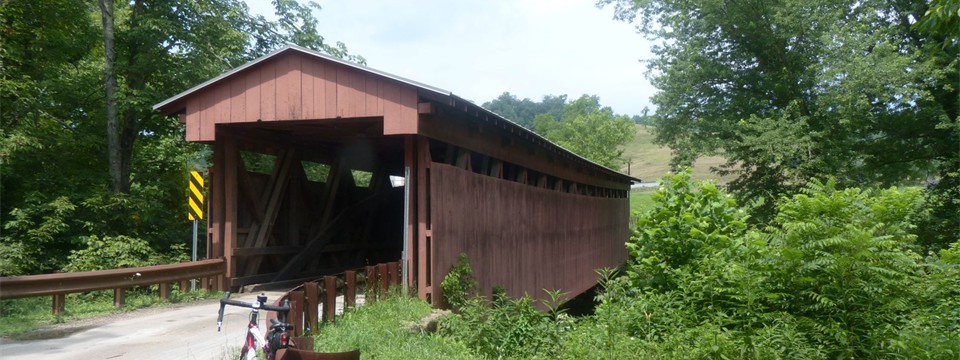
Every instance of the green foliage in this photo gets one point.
(112, 252)
(938, 224)
(688, 223)
(30, 233)
(381, 331)
(835, 274)
(788, 90)
(502, 327)
(942, 18)
(524, 111)
(509, 328)
(459, 285)
(589, 130)
(845, 264)
(54, 174)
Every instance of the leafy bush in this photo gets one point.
(836, 274)
(33, 239)
(111, 252)
(459, 284)
(845, 263)
(381, 331)
(502, 327)
(688, 223)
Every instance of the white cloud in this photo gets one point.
(479, 49)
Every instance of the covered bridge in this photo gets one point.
(321, 165)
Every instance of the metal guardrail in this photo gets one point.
(61, 284)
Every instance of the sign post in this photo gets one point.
(195, 213)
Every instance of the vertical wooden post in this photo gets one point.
(312, 306)
(394, 273)
(384, 278)
(119, 297)
(350, 293)
(59, 303)
(295, 316)
(215, 213)
(231, 158)
(205, 283)
(184, 286)
(424, 265)
(371, 284)
(164, 290)
(329, 298)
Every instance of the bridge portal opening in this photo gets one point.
(303, 199)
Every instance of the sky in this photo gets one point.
(479, 49)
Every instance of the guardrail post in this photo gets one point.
(371, 284)
(329, 298)
(164, 290)
(59, 303)
(185, 286)
(205, 283)
(350, 293)
(119, 297)
(312, 305)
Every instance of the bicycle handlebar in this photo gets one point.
(254, 305)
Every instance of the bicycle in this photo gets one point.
(277, 337)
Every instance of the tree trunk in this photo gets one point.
(110, 84)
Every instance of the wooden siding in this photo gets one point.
(522, 237)
(294, 86)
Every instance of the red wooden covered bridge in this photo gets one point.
(321, 165)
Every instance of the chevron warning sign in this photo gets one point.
(196, 196)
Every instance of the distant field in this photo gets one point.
(650, 161)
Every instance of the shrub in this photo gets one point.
(845, 264)
(459, 284)
(501, 327)
(688, 223)
(111, 252)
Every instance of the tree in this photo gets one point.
(791, 89)
(64, 185)
(524, 111)
(589, 130)
(110, 86)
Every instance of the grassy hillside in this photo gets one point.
(650, 161)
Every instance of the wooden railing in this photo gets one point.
(372, 281)
(209, 272)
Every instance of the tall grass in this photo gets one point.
(381, 330)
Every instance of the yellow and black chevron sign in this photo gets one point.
(196, 196)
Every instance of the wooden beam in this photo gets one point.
(409, 156)
(326, 234)
(330, 192)
(425, 108)
(496, 169)
(463, 160)
(281, 179)
(231, 157)
(248, 191)
(421, 193)
(269, 250)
